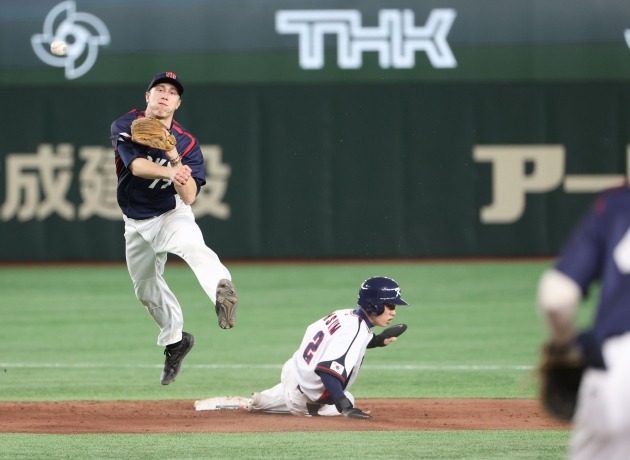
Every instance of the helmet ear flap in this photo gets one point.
(374, 310)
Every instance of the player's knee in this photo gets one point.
(195, 254)
(146, 291)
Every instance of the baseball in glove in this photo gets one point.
(392, 331)
(151, 132)
(560, 374)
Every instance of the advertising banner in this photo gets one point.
(329, 129)
(297, 41)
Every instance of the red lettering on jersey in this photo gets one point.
(333, 323)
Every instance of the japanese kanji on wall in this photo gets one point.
(38, 184)
(325, 171)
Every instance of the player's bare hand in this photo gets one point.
(181, 174)
(389, 340)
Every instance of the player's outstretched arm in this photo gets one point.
(388, 336)
(141, 167)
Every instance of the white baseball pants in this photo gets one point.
(286, 397)
(147, 244)
(602, 419)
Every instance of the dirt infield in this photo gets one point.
(79, 417)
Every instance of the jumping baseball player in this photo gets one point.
(597, 251)
(160, 171)
(316, 379)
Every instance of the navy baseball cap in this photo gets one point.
(167, 77)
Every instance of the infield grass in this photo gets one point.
(77, 333)
(477, 445)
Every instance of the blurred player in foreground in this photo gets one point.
(155, 190)
(598, 250)
(316, 379)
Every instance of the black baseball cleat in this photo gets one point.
(174, 358)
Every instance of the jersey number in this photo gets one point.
(157, 181)
(312, 347)
(161, 162)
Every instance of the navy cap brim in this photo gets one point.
(165, 79)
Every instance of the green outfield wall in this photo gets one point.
(330, 129)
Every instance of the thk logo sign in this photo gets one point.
(396, 39)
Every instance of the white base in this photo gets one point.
(221, 402)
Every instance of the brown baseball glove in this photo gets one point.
(560, 373)
(151, 132)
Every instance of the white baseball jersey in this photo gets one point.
(336, 345)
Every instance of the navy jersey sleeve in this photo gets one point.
(581, 256)
(334, 388)
(125, 149)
